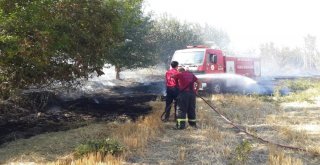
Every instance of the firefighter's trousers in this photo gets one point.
(186, 109)
(172, 94)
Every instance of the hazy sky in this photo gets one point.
(249, 22)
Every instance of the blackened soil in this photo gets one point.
(121, 104)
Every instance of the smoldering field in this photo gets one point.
(291, 119)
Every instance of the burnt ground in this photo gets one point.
(126, 101)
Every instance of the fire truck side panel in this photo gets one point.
(214, 61)
(242, 66)
(230, 67)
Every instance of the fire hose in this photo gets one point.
(255, 136)
(244, 130)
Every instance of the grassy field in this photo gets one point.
(292, 120)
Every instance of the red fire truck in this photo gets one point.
(216, 70)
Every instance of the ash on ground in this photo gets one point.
(99, 99)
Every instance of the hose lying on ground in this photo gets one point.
(255, 136)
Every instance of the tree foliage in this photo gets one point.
(215, 37)
(49, 40)
(135, 49)
(61, 41)
(169, 34)
(282, 58)
(46, 41)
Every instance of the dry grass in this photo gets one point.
(149, 141)
(214, 133)
(278, 157)
(244, 109)
(314, 149)
(274, 123)
(299, 138)
(50, 146)
(181, 155)
(136, 135)
(216, 142)
(297, 125)
(60, 145)
(91, 159)
(206, 145)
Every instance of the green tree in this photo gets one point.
(135, 49)
(268, 52)
(290, 58)
(50, 41)
(169, 34)
(277, 59)
(215, 37)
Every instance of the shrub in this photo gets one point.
(299, 85)
(107, 146)
(242, 152)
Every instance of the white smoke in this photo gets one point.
(143, 76)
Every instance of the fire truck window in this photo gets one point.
(213, 58)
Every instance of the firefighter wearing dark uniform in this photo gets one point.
(186, 100)
(172, 89)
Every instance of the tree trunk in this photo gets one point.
(117, 69)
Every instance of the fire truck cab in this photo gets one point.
(209, 64)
